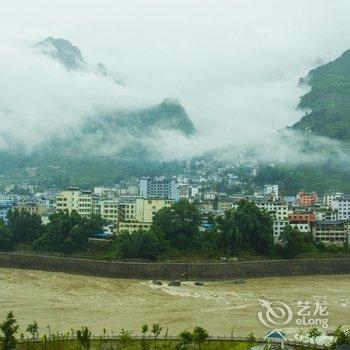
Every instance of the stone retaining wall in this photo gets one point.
(181, 271)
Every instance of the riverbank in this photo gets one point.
(106, 343)
(136, 344)
(181, 271)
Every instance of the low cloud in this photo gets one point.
(234, 66)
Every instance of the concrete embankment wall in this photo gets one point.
(195, 271)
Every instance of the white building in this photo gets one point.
(269, 190)
(85, 203)
(4, 209)
(328, 198)
(342, 205)
(194, 191)
(278, 210)
(278, 227)
(302, 226)
(326, 215)
(165, 188)
(209, 196)
(184, 190)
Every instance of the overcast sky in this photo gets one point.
(234, 65)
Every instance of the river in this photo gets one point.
(65, 301)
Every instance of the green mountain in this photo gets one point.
(103, 127)
(63, 51)
(168, 115)
(327, 104)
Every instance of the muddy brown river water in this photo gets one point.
(65, 301)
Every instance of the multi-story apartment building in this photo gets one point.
(278, 227)
(342, 206)
(126, 211)
(307, 199)
(328, 198)
(331, 232)
(209, 195)
(303, 221)
(224, 205)
(4, 209)
(139, 213)
(301, 226)
(165, 188)
(85, 203)
(33, 208)
(109, 210)
(279, 210)
(184, 191)
(207, 206)
(7, 200)
(296, 217)
(194, 191)
(147, 208)
(271, 190)
(133, 226)
(325, 214)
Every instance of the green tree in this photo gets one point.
(300, 334)
(9, 328)
(230, 236)
(341, 336)
(84, 337)
(24, 226)
(5, 237)
(256, 227)
(185, 338)
(251, 337)
(144, 330)
(313, 334)
(144, 342)
(141, 244)
(68, 232)
(156, 329)
(200, 336)
(125, 336)
(294, 242)
(179, 225)
(33, 329)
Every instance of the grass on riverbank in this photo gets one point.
(111, 344)
(161, 344)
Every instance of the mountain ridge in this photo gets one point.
(327, 104)
(104, 128)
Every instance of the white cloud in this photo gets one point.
(233, 64)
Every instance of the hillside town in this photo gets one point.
(131, 206)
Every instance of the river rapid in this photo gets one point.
(64, 301)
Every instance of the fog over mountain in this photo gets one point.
(229, 68)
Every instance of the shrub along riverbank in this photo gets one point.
(151, 337)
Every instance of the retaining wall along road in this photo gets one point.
(192, 271)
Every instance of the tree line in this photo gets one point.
(64, 233)
(175, 233)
